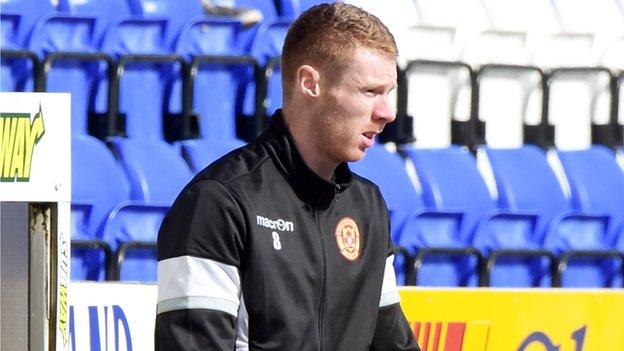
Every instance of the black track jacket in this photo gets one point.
(259, 253)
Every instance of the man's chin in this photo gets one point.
(357, 156)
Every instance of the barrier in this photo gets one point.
(515, 320)
(112, 316)
(120, 316)
(35, 194)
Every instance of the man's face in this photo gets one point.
(355, 106)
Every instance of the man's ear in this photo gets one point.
(308, 81)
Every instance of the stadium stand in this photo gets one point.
(526, 182)
(160, 82)
(507, 239)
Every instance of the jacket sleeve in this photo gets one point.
(199, 285)
(392, 331)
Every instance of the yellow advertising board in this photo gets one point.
(516, 319)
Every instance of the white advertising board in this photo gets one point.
(112, 316)
(35, 151)
(35, 167)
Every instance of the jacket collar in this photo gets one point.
(310, 187)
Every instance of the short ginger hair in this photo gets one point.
(326, 35)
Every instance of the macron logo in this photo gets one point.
(279, 224)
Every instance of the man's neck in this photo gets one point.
(306, 145)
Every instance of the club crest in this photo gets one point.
(348, 238)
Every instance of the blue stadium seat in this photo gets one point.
(199, 153)
(19, 66)
(147, 78)
(211, 47)
(48, 33)
(106, 13)
(146, 73)
(156, 171)
(387, 170)
(412, 227)
(526, 182)
(157, 174)
(451, 182)
(266, 48)
(132, 228)
(71, 60)
(596, 184)
(178, 14)
(29, 13)
(98, 186)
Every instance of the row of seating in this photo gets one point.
(114, 56)
(128, 65)
(130, 57)
(453, 232)
(586, 38)
(539, 32)
(143, 81)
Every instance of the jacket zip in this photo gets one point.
(321, 321)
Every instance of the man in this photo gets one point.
(277, 245)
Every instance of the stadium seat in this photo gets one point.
(387, 170)
(451, 182)
(417, 231)
(98, 186)
(579, 236)
(451, 232)
(215, 61)
(132, 228)
(211, 47)
(199, 153)
(19, 66)
(596, 184)
(603, 19)
(156, 171)
(71, 62)
(178, 14)
(266, 48)
(105, 14)
(146, 69)
(526, 182)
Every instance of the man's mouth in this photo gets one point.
(369, 135)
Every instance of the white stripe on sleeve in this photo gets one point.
(242, 327)
(389, 291)
(188, 282)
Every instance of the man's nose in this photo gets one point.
(384, 109)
